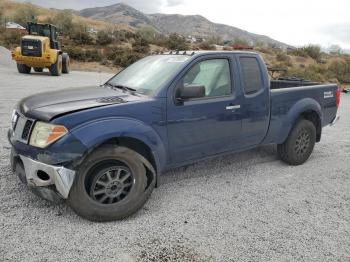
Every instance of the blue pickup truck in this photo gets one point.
(102, 149)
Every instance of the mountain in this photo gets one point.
(117, 14)
(194, 25)
(197, 25)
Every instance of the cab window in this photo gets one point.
(214, 75)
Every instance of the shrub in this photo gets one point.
(104, 38)
(81, 38)
(125, 57)
(147, 32)
(313, 51)
(177, 42)
(140, 45)
(284, 58)
(85, 55)
(207, 46)
(313, 73)
(92, 55)
(339, 70)
(11, 38)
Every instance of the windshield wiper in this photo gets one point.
(125, 88)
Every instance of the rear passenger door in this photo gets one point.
(256, 99)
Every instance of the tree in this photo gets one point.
(177, 42)
(335, 50)
(147, 32)
(64, 21)
(25, 13)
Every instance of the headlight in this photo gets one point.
(45, 134)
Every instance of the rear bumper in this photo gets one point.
(335, 120)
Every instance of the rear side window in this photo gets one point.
(251, 75)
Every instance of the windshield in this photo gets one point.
(148, 74)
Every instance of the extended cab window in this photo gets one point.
(251, 75)
(213, 74)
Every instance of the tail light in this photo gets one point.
(337, 97)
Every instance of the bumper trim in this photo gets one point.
(335, 120)
(59, 176)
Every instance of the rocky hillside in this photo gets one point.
(194, 25)
(197, 25)
(117, 14)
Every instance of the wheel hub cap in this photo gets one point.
(302, 143)
(111, 185)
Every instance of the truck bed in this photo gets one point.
(288, 99)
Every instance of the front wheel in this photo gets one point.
(299, 144)
(111, 184)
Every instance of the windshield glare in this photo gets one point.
(148, 74)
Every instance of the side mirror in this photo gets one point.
(190, 92)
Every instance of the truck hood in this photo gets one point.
(48, 105)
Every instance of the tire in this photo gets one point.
(299, 144)
(38, 69)
(23, 69)
(56, 68)
(85, 197)
(65, 63)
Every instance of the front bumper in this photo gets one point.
(43, 175)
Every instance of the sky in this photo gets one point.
(297, 22)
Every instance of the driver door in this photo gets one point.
(206, 125)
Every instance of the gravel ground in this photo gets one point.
(241, 207)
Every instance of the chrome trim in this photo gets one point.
(60, 176)
(335, 120)
(19, 126)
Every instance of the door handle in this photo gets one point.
(231, 107)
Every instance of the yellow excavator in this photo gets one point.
(40, 49)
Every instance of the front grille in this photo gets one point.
(31, 47)
(22, 129)
(26, 129)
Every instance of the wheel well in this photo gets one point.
(313, 117)
(136, 145)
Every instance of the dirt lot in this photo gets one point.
(241, 207)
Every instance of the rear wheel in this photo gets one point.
(56, 68)
(111, 184)
(23, 69)
(299, 144)
(38, 69)
(65, 63)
